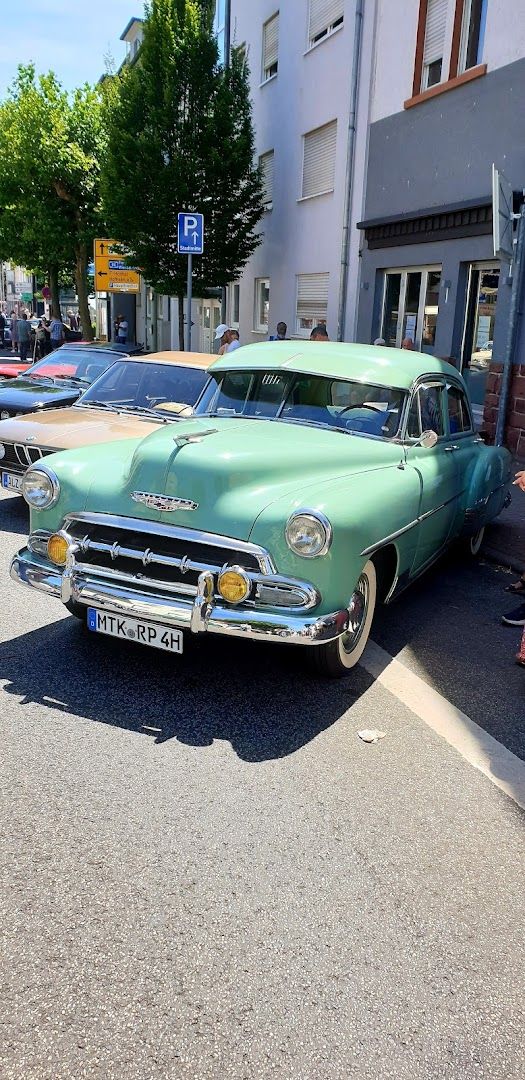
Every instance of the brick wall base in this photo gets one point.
(515, 426)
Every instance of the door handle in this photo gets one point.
(450, 449)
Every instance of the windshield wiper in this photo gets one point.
(97, 405)
(72, 379)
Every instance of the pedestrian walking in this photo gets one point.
(319, 333)
(3, 325)
(228, 337)
(24, 336)
(56, 332)
(281, 332)
(13, 326)
(43, 343)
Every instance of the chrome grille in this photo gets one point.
(19, 456)
(157, 553)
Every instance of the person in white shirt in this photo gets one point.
(122, 335)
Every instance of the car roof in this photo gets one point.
(186, 359)
(377, 364)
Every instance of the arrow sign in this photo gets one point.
(190, 233)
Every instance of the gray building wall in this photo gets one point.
(437, 153)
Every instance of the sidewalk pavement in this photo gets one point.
(504, 541)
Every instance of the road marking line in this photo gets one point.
(480, 749)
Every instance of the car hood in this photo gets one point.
(24, 395)
(237, 470)
(66, 429)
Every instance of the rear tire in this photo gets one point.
(337, 658)
(472, 544)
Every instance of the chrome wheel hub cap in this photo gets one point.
(357, 610)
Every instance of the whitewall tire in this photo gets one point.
(338, 657)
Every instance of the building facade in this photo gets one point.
(445, 105)
(308, 61)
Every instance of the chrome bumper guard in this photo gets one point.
(198, 613)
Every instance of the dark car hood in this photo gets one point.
(25, 395)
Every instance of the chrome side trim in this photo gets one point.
(390, 537)
(158, 528)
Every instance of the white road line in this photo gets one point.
(480, 749)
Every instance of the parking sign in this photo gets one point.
(190, 234)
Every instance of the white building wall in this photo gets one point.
(397, 20)
(312, 87)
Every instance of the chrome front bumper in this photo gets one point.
(198, 614)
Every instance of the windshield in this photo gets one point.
(80, 365)
(361, 408)
(136, 384)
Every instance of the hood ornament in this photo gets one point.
(194, 436)
(168, 503)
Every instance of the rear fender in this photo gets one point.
(488, 488)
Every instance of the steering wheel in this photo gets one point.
(365, 405)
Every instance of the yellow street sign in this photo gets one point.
(111, 272)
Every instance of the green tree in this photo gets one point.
(180, 137)
(50, 149)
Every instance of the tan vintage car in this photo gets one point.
(130, 399)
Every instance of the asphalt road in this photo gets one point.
(205, 873)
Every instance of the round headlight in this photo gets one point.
(2, 451)
(308, 533)
(40, 487)
(4, 415)
(234, 585)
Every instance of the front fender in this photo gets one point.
(364, 511)
(104, 466)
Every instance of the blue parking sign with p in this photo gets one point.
(190, 234)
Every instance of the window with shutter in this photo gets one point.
(266, 163)
(325, 17)
(312, 302)
(434, 42)
(319, 160)
(270, 47)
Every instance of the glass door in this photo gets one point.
(478, 334)
(410, 307)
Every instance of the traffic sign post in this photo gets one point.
(112, 274)
(190, 242)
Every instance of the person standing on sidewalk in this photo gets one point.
(13, 326)
(2, 329)
(56, 332)
(24, 336)
(517, 616)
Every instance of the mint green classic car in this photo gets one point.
(312, 481)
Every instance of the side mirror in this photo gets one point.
(427, 439)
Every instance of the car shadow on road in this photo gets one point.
(261, 699)
(14, 515)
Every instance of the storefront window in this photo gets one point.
(479, 332)
(410, 308)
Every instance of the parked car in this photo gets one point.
(131, 398)
(57, 380)
(11, 368)
(313, 481)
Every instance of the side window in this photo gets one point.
(426, 413)
(458, 411)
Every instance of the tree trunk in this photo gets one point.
(82, 292)
(181, 322)
(55, 291)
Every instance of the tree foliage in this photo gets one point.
(180, 137)
(50, 149)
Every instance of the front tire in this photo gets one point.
(337, 658)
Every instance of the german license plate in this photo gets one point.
(159, 637)
(12, 483)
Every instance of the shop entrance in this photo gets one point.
(482, 298)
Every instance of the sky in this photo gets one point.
(69, 37)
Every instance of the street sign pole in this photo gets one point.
(188, 312)
(190, 242)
